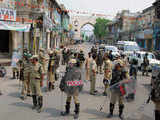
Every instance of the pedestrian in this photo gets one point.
(110, 55)
(145, 65)
(99, 62)
(87, 66)
(119, 75)
(64, 54)
(93, 72)
(36, 82)
(72, 84)
(107, 73)
(15, 58)
(3, 72)
(155, 88)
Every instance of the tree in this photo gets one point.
(100, 28)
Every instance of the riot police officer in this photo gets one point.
(119, 74)
(72, 84)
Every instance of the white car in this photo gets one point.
(140, 57)
(114, 50)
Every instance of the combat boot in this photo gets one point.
(111, 111)
(121, 107)
(76, 116)
(34, 97)
(67, 109)
(49, 86)
(40, 104)
(157, 115)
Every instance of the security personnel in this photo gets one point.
(42, 59)
(87, 66)
(36, 76)
(51, 71)
(119, 75)
(93, 71)
(57, 62)
(145, 65)
(72, 84)
(25, 77)
(81, 58)
(107, 72)
(99, 62)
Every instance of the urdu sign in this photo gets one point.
(7, 14)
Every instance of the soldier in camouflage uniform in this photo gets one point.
(72, 84)
(119, 74)
(25, 76)
(36, 82)
(107, 72)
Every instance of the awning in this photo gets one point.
(14, 26)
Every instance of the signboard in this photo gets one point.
(14, 26)
(140, 35)
(148, 33)
(7, 14)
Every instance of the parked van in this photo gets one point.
(127, 47)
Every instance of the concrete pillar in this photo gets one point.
(14, 40)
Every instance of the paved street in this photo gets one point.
(12, 108)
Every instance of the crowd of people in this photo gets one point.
(118, 73)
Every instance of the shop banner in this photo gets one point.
(7, 14)
(14, 26)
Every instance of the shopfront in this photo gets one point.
(148, 36)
